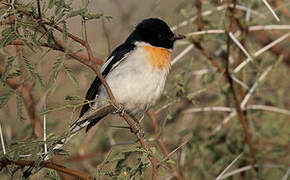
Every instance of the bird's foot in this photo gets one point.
(120, 110)
(139, 130)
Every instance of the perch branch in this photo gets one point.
(50, 165)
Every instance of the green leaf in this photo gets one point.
(70, 75)
(55, 69)
(19, 106)
(88, 16)
(79, 12)
(30, 68)
(64, 32)
(50, 37)
(7, 69)
(5, 97)
(8, 36)
(59, 6)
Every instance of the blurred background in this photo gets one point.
(196, 120)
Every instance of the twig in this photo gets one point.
(255, 85)
(161, 144)
(239, 82)
(62, 48)
(38, 9)
(44, 132)
(214, 108)
(250, 28)
(268, 108)
(271, 10)
(240, 45)
(270, 45)
(205, 13)
(287, 174)
(269, 27)
(211, 31)
(228, 167)
(239, 110)
(262, 50)
(183, 53)
(2, 140)
(172, 152)
(229, 109)
(242, 169)
(50, 165)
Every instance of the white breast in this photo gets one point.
(135, 83)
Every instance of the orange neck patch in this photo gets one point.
(159, 57)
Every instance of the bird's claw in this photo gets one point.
(120, 110)
(139, 130)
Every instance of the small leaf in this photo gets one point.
(19, 106)
(59, 5)
(55, 69)
(70, 75)
(8, 36)
(30, 68)
(7, 69)
(5, 97)
(64, 32)
(50, 37)
(77, 12)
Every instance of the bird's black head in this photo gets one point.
(155, 32)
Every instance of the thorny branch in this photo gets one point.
(234, 92)
(228, 76)
(160, 141)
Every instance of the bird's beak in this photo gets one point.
(178, 37)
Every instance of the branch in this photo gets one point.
(50, 165)
(61, 47)
(240, 112)
(199, 17)
(161, 143)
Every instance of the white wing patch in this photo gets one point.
(106, 64)
(115, 65)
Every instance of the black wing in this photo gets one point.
(117, 55)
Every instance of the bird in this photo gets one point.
(135, 71)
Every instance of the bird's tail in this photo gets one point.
(88, 120)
